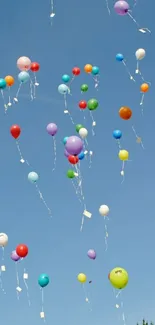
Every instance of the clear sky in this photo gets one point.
(82, 32)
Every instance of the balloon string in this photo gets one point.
(44, 202)
(27, 289)
(42, 303)
(17, 279)
(66, 111)
(86, 297)
(93, 123)
(90, 159)
(5, 106)
(20, 154)
(119, 295)
(138, 139)
(133, 19)
(106, 234)
(96, 79)
(126, 67)
(31, 89)
(142, 102)
(17, 94)
(55, 153)
(119, 144)
(107, 5)
(76, 191)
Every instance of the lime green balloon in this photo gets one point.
(78, 127)
(84, 87)
(92, 104)
(70, 173)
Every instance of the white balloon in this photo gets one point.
(83, 133)
(104, 210)
(3, 239)
(140, 54)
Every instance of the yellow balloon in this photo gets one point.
(123, 155)
(82, 278)
(119, 278)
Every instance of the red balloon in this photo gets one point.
(35, 66)
(22, 250)
(73, 159)
(82, 104)
(76, 71)
(15, 131)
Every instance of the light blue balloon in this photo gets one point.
(81, 155)
(95, 71)
(33, 177)
(3, 84)
(119, 57)
(63, 89)
(43, 280)
(23, 76)
(65, 78)
(117, 134)
(65, 140)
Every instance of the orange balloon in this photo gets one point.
(88, 68)
(144, 88)
(10, 81)
(125, 113)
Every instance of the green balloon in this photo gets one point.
(78, 127)
(92, 104)
(70, 173)
(84, 87)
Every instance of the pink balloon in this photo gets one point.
(24, 63)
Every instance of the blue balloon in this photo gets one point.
(81, 155)
(65, 78)
(43, 280)
(3, 84)
(63, 89)
(117, 134)
(65, 140)
(95, 71)
(23, 76)
(33, 177)
(119, 57)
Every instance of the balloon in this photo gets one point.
(23, 76)
(91, 254)
(84, 88)
(82, 104)
(24, 63)
(76, 71)
(35, 67)
(15, 131)
(74, 145)
(14, 256)
(140, 54)
(73, 159)
(9, 81)
(33, 177)
(104, 210)
(66, 153)
(88, 68)
(3, 239)
(78, 127)
(3, 84)
(95, 71)
(83, 133)
(82, 278)
(70, 173)
(117, 134)
(63, 89)
(81, 155)
(125, 113)
(65, 140)
(119, 278)
(52, 129)
(43, 280)
(65, 78)
(22, 250)
(92, 104)
(121, 7)
(123, 155)
(119, 57)
(144, 88)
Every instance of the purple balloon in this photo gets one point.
(52, 129)
(91, 254)
(66, 153)
(121, 7)
(74, 145)
(14, 256)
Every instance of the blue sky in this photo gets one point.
(81, 33)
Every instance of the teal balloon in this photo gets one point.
(3, 84)
(43, 280)
(95, 71)
(23, 76)
(33, 177)
(65, 78)
(65, 140)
